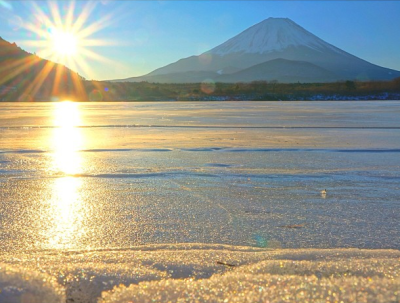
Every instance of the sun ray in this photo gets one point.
(83, 16)
(95, 27)
(55, 13)
(40, 78)
(70, 16)
(71, 63)
(82, 63)
(39, 13)
(63, 34)
(57, 79)
(38, 31)
(78, 87)
(34, 43)
(98, 42)
(96, 56)
(15, 69)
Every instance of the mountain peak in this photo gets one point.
(272, 34)
(276, 19)
(257, 54)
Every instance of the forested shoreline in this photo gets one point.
(206, 91)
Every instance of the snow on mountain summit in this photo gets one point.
(272, 34)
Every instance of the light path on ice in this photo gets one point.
(190, 273)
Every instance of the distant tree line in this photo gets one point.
(257, 90)
(72, 86)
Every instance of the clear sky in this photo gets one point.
(129, 38)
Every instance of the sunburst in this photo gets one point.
(65, 38)
(62, 32)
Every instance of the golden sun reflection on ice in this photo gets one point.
(66, 209)
(67, 139)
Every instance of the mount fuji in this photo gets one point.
(274, 49)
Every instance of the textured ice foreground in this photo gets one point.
(23, 285)
(89, 190)
(206, 273)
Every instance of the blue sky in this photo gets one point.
(141, 36)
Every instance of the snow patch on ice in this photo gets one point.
(243, 287)
(351, 277)
(21, 285)
(203, 273)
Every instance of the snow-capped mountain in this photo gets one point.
(271, 35)
(245, 58)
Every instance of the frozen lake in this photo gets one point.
(199, 202)
(116, 175)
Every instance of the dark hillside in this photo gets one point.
(25, 76)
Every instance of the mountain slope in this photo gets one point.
(25, 76)
(282, 70)
(273, 38)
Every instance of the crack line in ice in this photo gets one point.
(213, 149)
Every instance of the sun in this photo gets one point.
(64, 43)
(64, 33)
(64, 39)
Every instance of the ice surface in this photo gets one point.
(92, 195)
(238, 173)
